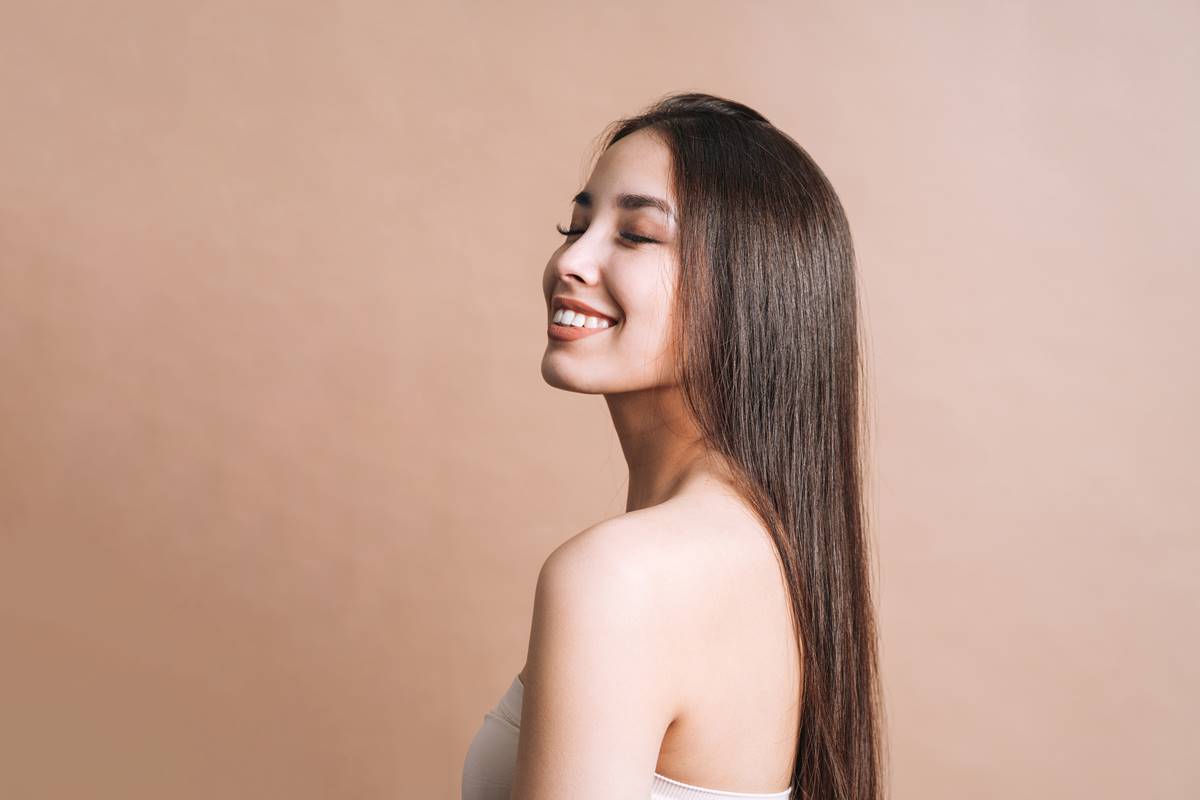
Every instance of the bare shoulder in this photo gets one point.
(613, 574)
(679, 567)
(704, 541)
(596, 703)
(641, 625)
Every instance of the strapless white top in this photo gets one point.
(492, 758)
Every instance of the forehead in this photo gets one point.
(638, 164)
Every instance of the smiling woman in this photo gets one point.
(718, 638)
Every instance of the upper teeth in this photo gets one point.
(565, 316)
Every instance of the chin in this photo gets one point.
(554, 374)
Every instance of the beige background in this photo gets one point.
(277, 468)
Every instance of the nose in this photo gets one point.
(578, 262)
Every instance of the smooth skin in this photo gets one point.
(661, 638)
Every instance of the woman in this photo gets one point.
(717, 639)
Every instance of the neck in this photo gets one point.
(661, 444)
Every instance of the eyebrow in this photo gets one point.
(629, 201)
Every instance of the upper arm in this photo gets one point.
(598, 695)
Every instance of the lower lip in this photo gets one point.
(569, 333)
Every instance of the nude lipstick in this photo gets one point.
(573, 319)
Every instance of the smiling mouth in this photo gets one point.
(600, 323)
(569, 333)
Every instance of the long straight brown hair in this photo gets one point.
(766, 326)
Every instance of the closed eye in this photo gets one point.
(632, 237)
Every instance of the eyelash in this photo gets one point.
(633, 237)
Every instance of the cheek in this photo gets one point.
(650, 292)
(646, 302)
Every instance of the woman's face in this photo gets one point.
(607, 264)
